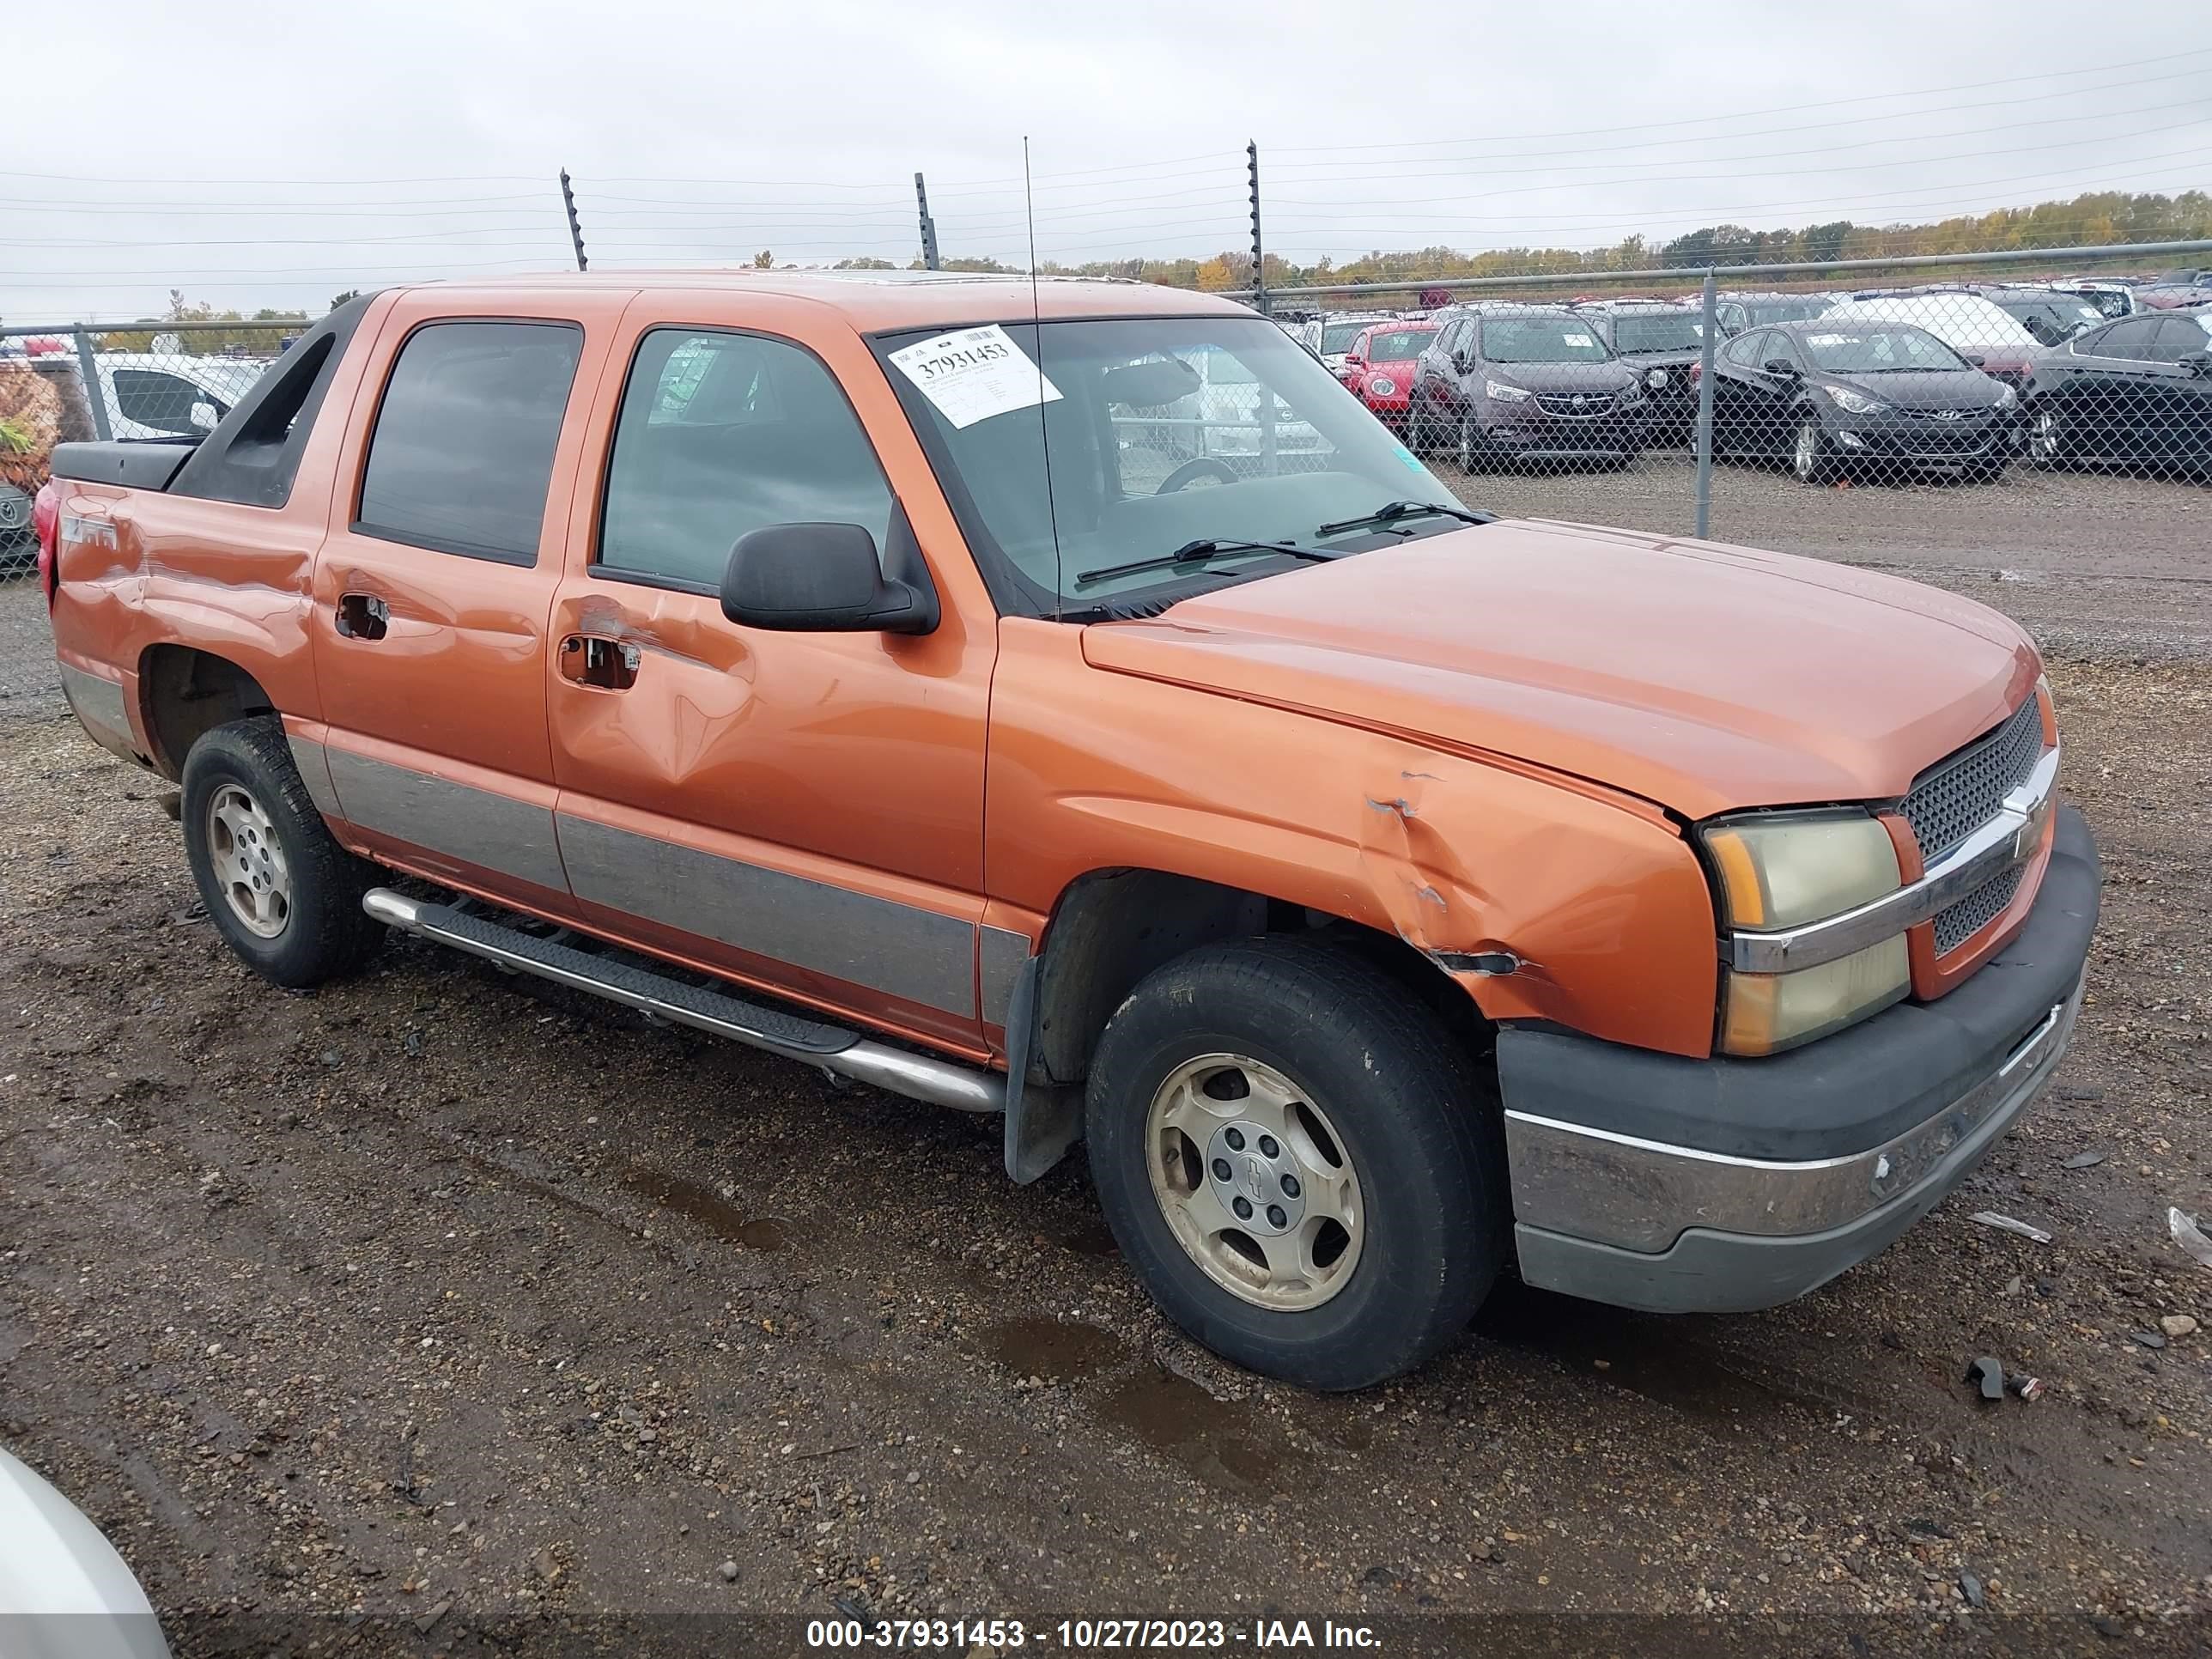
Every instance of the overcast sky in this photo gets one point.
(253, 154)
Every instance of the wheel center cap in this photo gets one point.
(1255, 1178)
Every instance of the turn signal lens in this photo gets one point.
(1765, 1013)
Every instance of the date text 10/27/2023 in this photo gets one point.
(1088, 1635)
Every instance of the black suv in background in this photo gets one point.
(1661, 341)
(2135, 393)
(2050, 315)
(1533, 382)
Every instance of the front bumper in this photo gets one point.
(1926, 445)
(1723, 1185)
(1537, 435)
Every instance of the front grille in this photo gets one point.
(1574, 404)
(1961, 792)
(1962, 920)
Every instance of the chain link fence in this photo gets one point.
(1651, 399)
(149, 381)
(1661, 401)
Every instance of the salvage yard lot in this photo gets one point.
(434, 1288)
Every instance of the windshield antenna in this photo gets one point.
(1036, 352)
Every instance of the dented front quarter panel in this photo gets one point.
(1593, 893)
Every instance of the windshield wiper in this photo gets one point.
(1391, 511)
(1198, 552)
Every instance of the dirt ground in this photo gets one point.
(448, 1304)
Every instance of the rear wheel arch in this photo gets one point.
(1110, 928)
(185, 693)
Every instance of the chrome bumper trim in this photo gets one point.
(1613, 1189)
(2009, 839)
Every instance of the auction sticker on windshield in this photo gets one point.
(974, 374)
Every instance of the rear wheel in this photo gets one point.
(1302, 1164)
(279, 887)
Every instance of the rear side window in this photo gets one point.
(163, 401)
(2130, 340)
(463, 451)
(722, 434)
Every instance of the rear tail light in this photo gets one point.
(46, 525)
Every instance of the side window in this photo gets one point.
(161, 401)
(1740, 351)
(463, 450)
(722, 434)
(2178, 337)
(2131, 340)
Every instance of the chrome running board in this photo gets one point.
(626, 981)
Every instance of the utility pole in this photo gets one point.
(1259, 255)
(575, 229)
(928, 225)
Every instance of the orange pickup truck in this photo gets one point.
(1067, 702)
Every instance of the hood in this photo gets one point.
(1701, 676)
(1611, 375)
(1957, 388)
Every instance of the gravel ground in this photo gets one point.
(438, 1301)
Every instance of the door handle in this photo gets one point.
(363, 616)
(592, 660)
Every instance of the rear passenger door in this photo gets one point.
(432, 591)
(800, 811)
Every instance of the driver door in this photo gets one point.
(800, 811)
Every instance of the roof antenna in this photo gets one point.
(1036, 352)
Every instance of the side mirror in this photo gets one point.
(204, 418)
(1781, 367)
(2199, 362)
(1353, 360)
(825, 578)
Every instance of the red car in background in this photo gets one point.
(1379, 368)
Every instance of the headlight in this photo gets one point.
(1857, 402)
(1499, 391)
(1655, 378)
(1382, 385)
(1783, 871)
(2007, 397)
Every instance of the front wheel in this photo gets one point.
(1305, 1168)
(2048, 441)
(279, 887)
(1474, 453)
(1813, 457)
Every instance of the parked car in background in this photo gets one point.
(2137, 393)
(155, 395)
(1662, 342)
(1331, 337)
(2050, 315)
(1735, 312)
(1976, 329)
(1529, 382)
(2113, 297)
(1380, 367)
(1885, 402)
(2168, 296)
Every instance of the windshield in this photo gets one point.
(1655, 332)
(1399, 346)
(1336, 338)
(2050, 320)
(1542, 340)
(1879, 350)
(1784, 311)
(1154, 432)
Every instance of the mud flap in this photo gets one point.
(1042, 1122)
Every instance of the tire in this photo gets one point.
(1420, 432)
(1376, 1076)
(1473, 456)
(2050, 443)
(1812, 456)
(279, 887)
